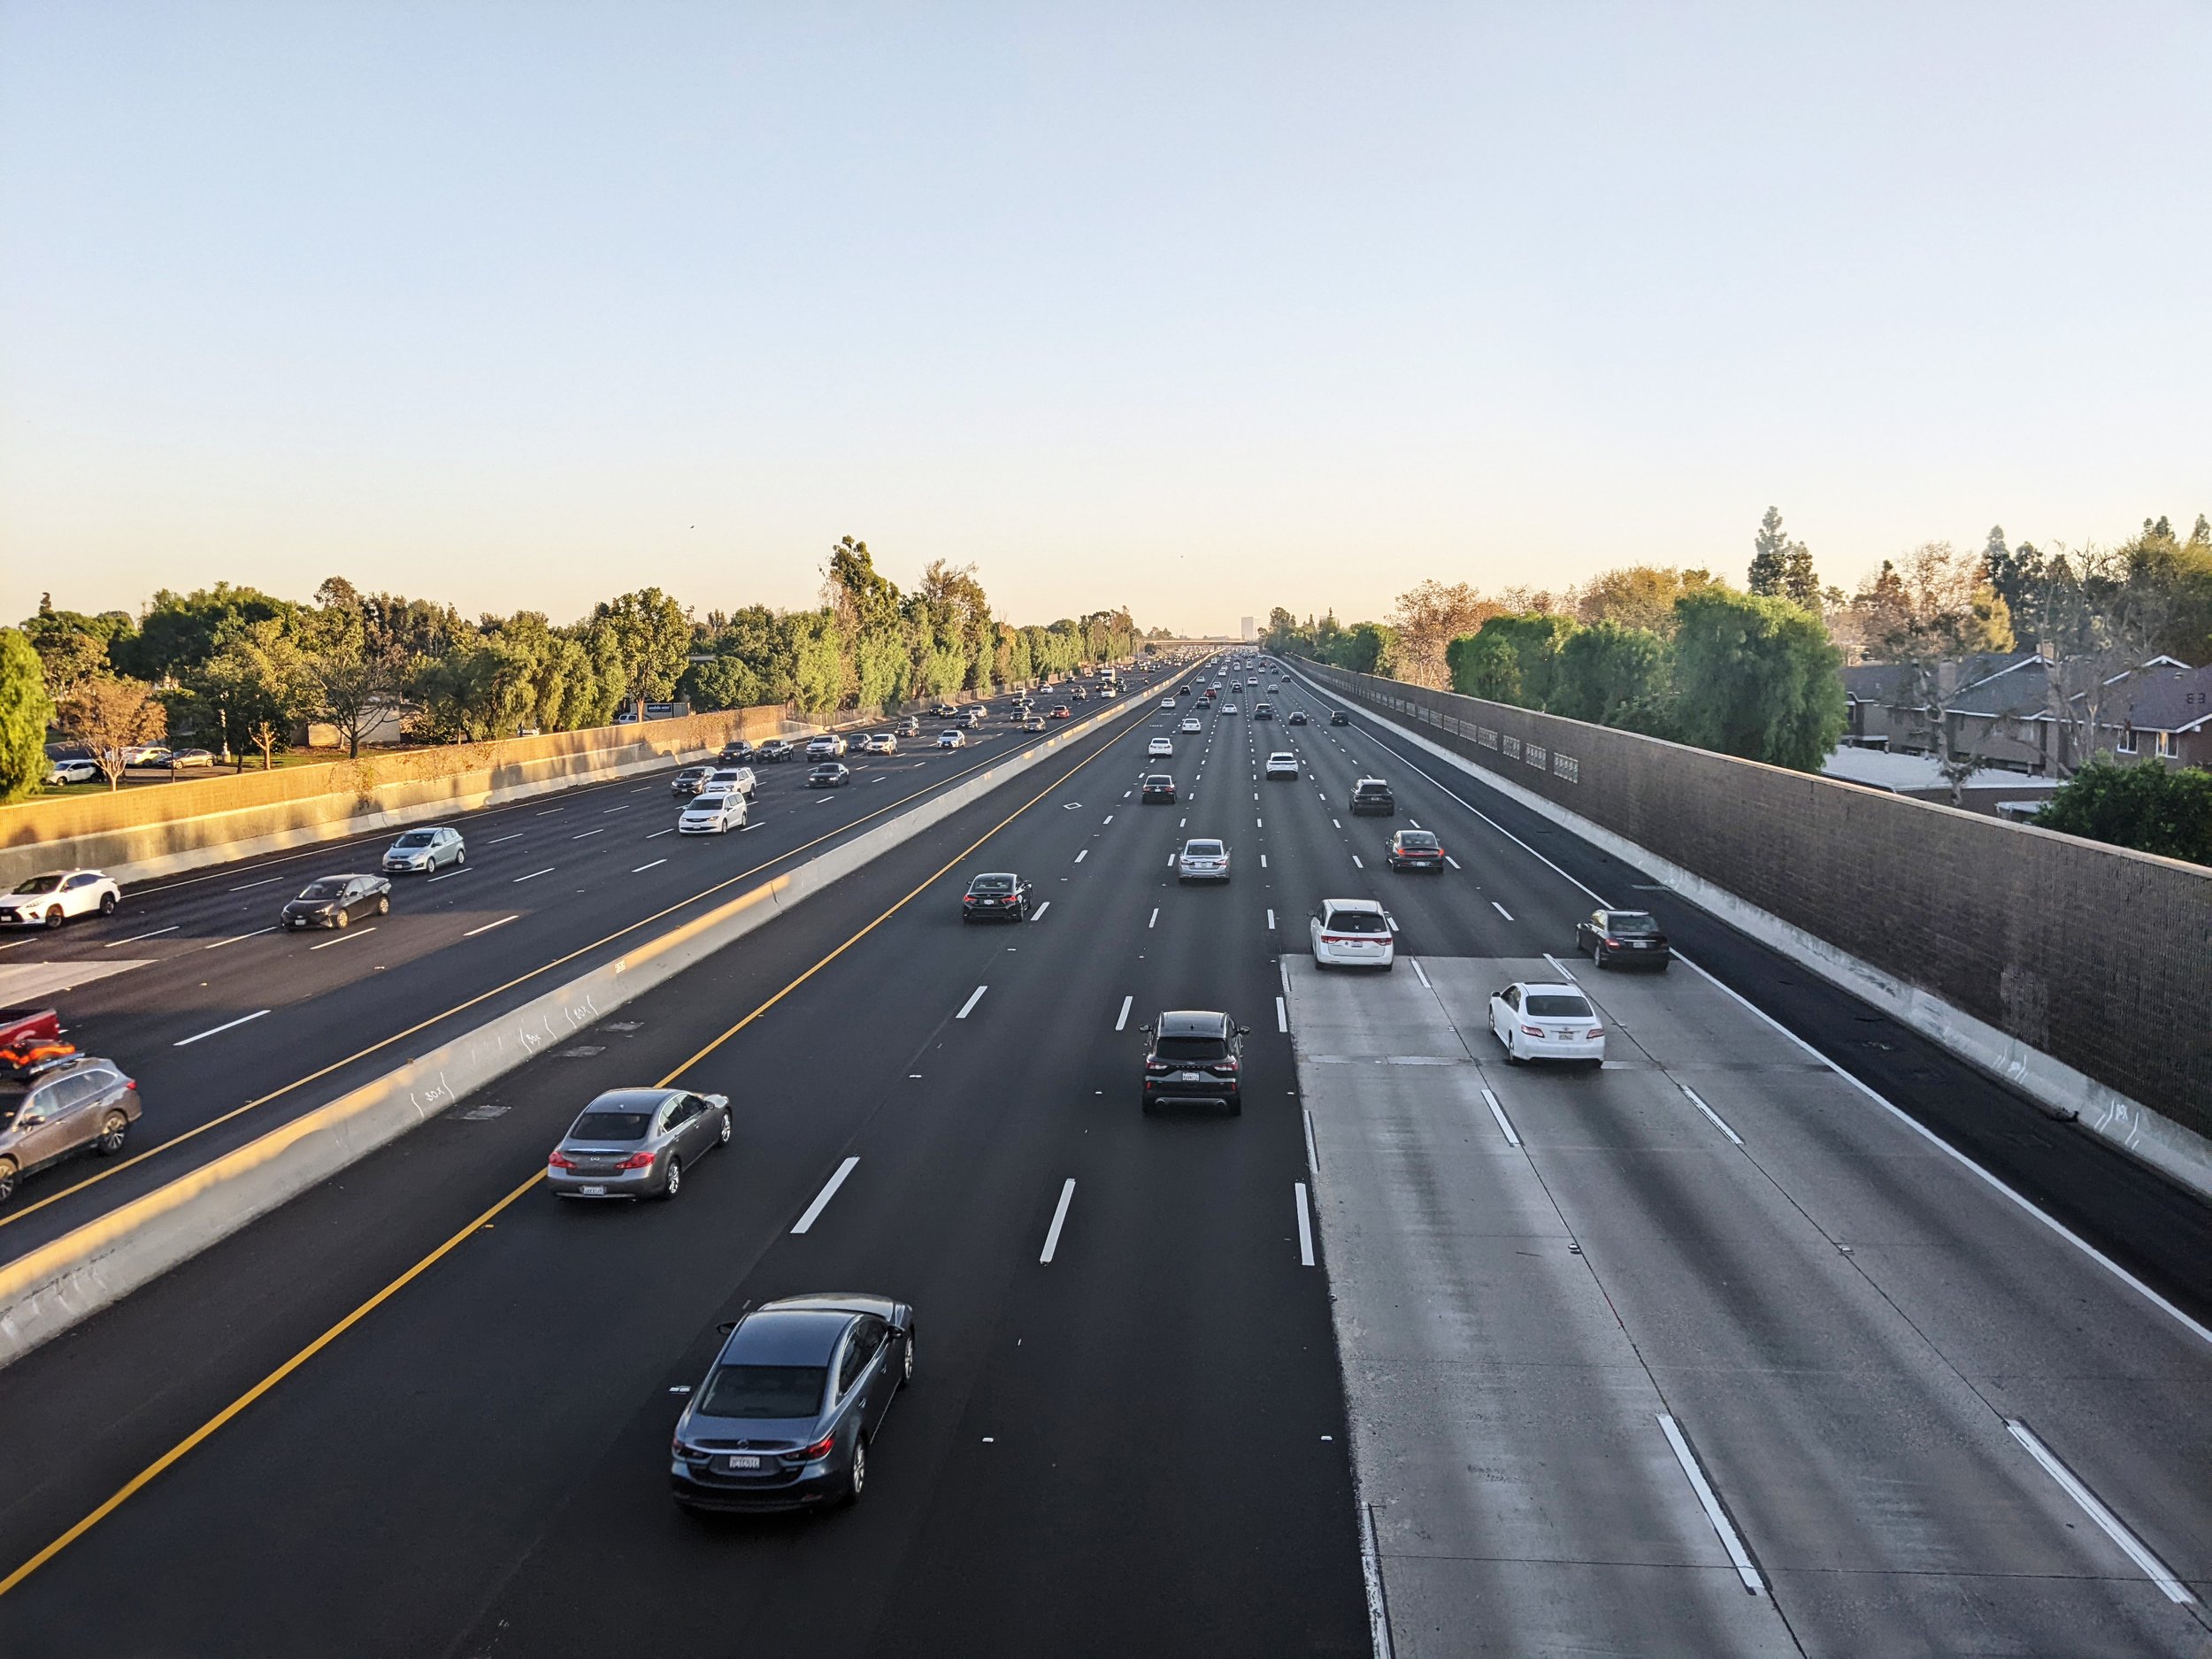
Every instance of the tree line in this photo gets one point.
(234, 667)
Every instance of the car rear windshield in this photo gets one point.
(41, 884)
(1559, 1006)
(325, 889)
(764, 1391)
(1635, 924)
(1193, 1048)
(610, 1127)
(1159, 780)
(1417, 838)
(1356, 922)
(1372, 788)
(992, 884)
(1204, 849)
(415, 838)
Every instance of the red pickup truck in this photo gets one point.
(31, 1041)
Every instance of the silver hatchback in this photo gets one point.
(86, 1102)
(637, 1143)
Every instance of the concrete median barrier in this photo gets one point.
(44, 1293)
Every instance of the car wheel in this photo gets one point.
(1147, 1103)
(728, 1129)
(108, 902)
(7, 1179)
(906, 1358)
(344, 919)
(856, 1472)
(384, 905)
(1235, 1103)
(113, 1133)
(460, 857)
(675, 1179)
(54, 918)
(1597, 957)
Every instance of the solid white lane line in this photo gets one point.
(1502, 909)
(359, 932)
(1313, 1158)
(2109, 1523)
(1451, 861)
(1560, 968)
(1042, 909)
(1710, 1113)
(1418, 974)
(1059, 1220)
(497, 839)
(1505, 1123)
(588, 833)
(1714, 1513)
(822, 1198)
(1271, 921)
(488, 926)
(1080, 856)
(1122, 1019)
(1305, 1225)
(235, 938)
(264, 882)
(1154, 922)
(642, 869)
(535, 874)
(974, 997)
(215, 1031)
(1282, 1015)
(134, 938)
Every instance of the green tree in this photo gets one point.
(1781, 568)
(1756, 677)
(25, 710)
(1369, 647)
(1485, 664)
(1534, 641)
(647, 634)
(1637, 596)
(179, 633)
(2145, 806)
(255, 680)
(1612, 675)
(110, 714)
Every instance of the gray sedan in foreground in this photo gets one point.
(637, 1143)
(786, 1415)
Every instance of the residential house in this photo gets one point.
(2169, 714)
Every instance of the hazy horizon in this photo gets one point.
(1196, 313)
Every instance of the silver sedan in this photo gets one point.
(637, 1143)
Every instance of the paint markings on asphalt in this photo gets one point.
(1271, 921)
(134, 938)
(235, 938)
(620, 809)
(497, 839)
(2110, 1525)
(1059, 1220)
(1262, 861)
(1505, 1123)
(822, 1198)
(642, 869)
(1154, 922)
(217, 1031)
(1715, 1117)
(974, 997)
(1109, 818)
(1356, 863)
(264, 882)
(1313, 1158)
(1121, 1021)
(1042, 909)
(1337, 822)
(1419, 975)
(1502, 909)
(1282, 1015)
(449, 875)
(670, 830)
(1305, 1225)
(1714, 1513)
(488, 926)
(1560, 968)
(588, 833)
(549, 811)
(1080, 856)
(535, 874)
(1451, 861)
(359, 932)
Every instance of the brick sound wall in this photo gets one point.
(2098, 956)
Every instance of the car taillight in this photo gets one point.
(130, 1083)
(809, 1454)
(1612, 944)
(1226, 1068)
(1595, 1032)
(636, 1161)
(1532, 1031)
(560, 1161)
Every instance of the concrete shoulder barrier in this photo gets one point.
(44, 1293)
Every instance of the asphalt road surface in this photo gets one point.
(425, 1409)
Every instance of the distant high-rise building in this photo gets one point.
(1251, 630)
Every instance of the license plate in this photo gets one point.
(593, 1192)
(1190, 1077)
(734, 1463)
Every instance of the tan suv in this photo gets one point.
(86, 1102)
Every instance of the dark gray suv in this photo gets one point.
(1196, 1058)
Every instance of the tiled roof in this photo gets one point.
(2169, 699)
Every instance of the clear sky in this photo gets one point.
(1194, 308)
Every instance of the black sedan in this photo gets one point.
(1159, 789)
(338, 902)
(1297, 717)
(791, 1402)
(1624, 939)
(995, 896)
(831, 774)
(774, 749)
(1338, 716)
(738, 753)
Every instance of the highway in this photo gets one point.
(1710, 1352)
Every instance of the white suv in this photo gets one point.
(1283, 764)
(48, 900)
(712, 815)
(829, 746)
(730, 780)
(1352, 933)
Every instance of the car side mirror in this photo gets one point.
(1244, 1030)
(725, 1328)
(717, 1100)
(1147, 1030)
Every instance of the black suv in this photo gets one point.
(995, 896)
(1183, 690)
(1373, 795)
(1338, 716)
(1297, 717)
(1263, 711)
(1196, 1059)
(1159, 786)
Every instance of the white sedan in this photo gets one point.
(1283, 764)
(1546, 1022)
(716, 814)
(1160, 746)
(1191, 725)
(1352, 933)
(50, 899)
(1202, 861)
(954, 738)
(1167, 702)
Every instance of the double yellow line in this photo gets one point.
(183, 1447)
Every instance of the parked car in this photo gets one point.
(774, 749)
(65, 771)
(1372, 795)
(1624, 938)
(337, 901)
(689, 780)
(879, 743)
(1159, 789)
(829, 746)
(737, 752)
(795, 1396)
(1206, 860)
(1339, 717)
(49, 899)
(952, 737)
(419, 851)
(637, 1143)
(995, 896)
(716, 812)
(1284, 764)
(829, 775)
(147, 755)
(1546, 1022)
(1415, 849)
(1195, 1058)
(189, 759)
(84, 1101)
(1351, 933)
